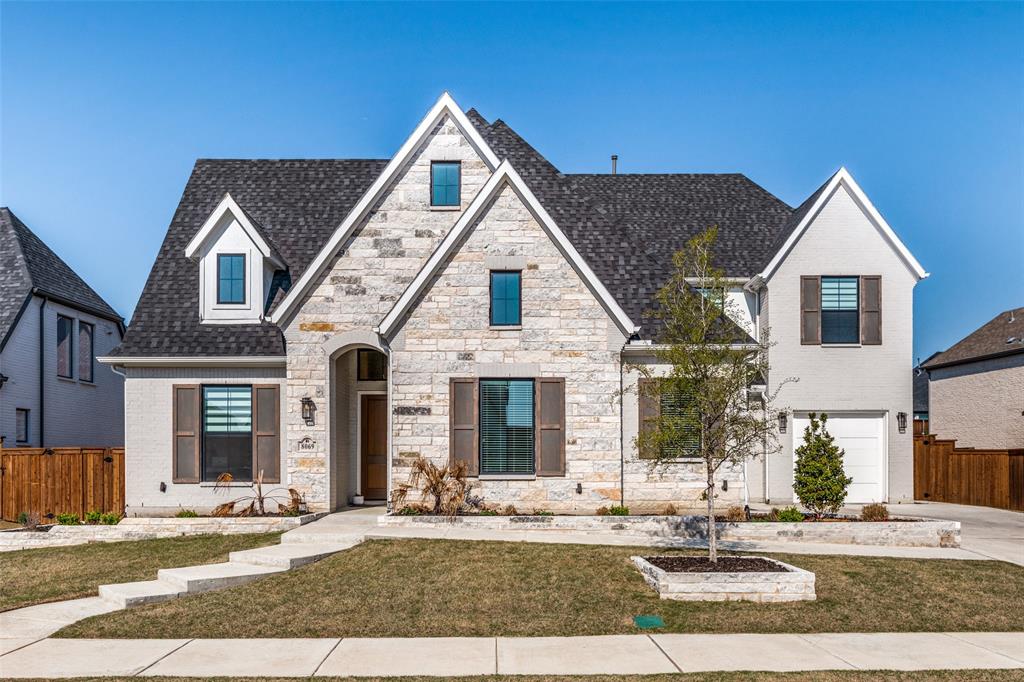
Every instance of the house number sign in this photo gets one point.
(307, 443)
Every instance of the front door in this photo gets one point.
(373, 446)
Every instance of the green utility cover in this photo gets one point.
(648, 622)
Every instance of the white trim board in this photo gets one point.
(229, 205)
(445, 106)
(843, 177)
(504, 174)
(234, 361)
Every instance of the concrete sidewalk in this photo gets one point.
(612, 654)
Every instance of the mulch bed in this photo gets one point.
(725, 564)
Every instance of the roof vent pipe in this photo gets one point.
(615, 162)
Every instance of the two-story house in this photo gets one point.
(53, 325)
(325, 322)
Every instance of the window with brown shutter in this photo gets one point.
(463, 443)
(810, 310)
(871, 310)
(650, 411)
(266, 432)
(186, 428)
(550, 444)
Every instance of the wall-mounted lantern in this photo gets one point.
(308, 411)
(901, 421)
(3, 380)
(782, 422)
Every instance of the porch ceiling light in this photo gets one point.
(782, 422)
(308, 411)
(901, 421)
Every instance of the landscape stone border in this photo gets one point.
(793, 584)
(148, 528)
(907, 533)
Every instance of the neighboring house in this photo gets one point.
(328, 321)
(920, 400)
(52, 328)
(976, 388)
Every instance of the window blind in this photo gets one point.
(679, 414)
(506, 426)
(227, 409)
(839, 310)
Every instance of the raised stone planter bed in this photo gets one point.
(905, 533)
(783, 583)
(147, 528)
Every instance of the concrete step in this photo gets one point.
(193, 579)
(287, 556)
(323, 536)
(126, 595)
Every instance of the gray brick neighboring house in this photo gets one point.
(325, 322)
(976, 387)
(52, 328)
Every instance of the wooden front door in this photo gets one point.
(373, 446)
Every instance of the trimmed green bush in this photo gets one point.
(788, 515)
(69, 520)
(93, 517)
(186, 514)
(110, 519)
(819, 480)
(618, 510)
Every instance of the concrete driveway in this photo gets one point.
(994, 533)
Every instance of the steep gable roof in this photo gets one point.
(1002, 335)
(27, 264)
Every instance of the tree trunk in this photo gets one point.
(712, 539)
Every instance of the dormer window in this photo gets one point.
(231, 278)
(445, 183)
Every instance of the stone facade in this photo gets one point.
(357, 290)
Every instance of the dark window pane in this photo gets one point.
(230, 278)
(680, 420)
(372, 365)
(227, 432)
(505, 298)
(444, 183)
(840, 310)
(64, 325)
(506, 426)
(21, 427)
(85, 337)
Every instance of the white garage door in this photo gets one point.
(862, 436)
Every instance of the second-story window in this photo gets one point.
(65, 327)
(506, 293)
(840, 310)
(230, 278)
(445, 183)
(86, 335)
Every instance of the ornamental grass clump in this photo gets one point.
(444, 490)
(819, 480)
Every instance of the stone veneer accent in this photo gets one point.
(358, 289)
(794, 584)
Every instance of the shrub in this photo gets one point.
(69, 520)
(445, 487)
(29, 519)
(110, 519)
(488, 512)
(874, 512)
(23, 518)
(543, 512)
(735, 514)
(93, 517)
(670, 510)
(789, 515)
(409, 510)
(618, 510)
(509, 510)
(819, 480)
(186, 514)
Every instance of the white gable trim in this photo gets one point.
(503, 175)
(445, 106)
(229, 205)
(843, 177)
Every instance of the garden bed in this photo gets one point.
(892, 533)
(756, 579)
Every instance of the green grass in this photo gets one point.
(817, 676)
(425, 588)
(35, 576)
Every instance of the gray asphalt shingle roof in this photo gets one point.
(625, 226)
(1002, 335)
(27, 264)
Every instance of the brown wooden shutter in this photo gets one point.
(810, 310)
(549, 405)
(649, 412)
(187, 429)
(463, 443)
(266, 432)
(871, 310)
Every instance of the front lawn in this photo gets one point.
(428, 588)
(35, 576)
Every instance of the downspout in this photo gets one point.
(42, 371)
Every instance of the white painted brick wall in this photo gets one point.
(980, 405)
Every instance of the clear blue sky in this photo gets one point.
(106, 106)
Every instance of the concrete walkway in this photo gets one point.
(610, 655)
(991, 533)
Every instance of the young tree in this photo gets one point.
(702, 407)
(819, 480)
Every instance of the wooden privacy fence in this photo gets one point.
(988, 478)
(51, 481)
